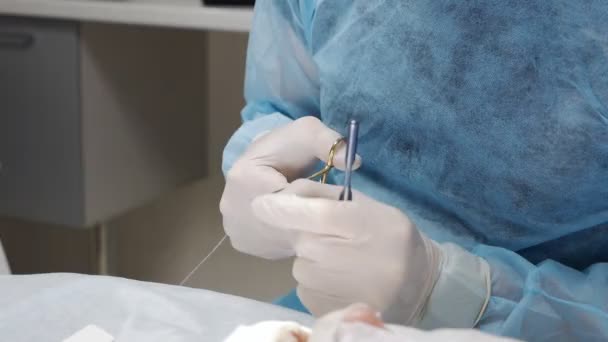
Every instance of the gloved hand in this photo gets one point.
(268, 165)
(367, 251)
(359, 323)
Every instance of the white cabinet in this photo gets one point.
(40, 142)
(97, 119)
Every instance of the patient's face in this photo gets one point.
(352, 314)
(324, 330)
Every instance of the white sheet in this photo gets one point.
(52, 307)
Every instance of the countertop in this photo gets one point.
(188, 14)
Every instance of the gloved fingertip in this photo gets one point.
(340, 161)
(358, 162)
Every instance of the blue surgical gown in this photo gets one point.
(485, 121)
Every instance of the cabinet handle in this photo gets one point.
(16, 40)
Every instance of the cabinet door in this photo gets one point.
(40, 143)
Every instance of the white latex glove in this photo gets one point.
(358, 323)
(367, 251)
(268, 165)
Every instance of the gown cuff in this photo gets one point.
(461, 293)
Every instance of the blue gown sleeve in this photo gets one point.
(545, 302)
(281, 81)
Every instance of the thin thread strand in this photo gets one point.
(203, 261)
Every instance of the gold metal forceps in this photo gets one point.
(329, 165)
